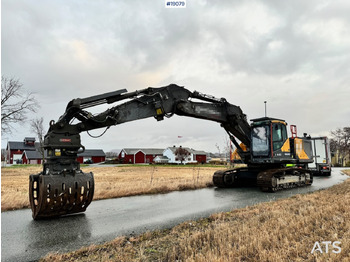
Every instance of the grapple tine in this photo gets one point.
(57, 195)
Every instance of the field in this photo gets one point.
(111, 182)
(283, 230)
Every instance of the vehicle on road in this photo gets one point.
(321, 155)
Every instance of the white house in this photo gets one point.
(194, 156)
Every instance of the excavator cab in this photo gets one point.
(271, 144)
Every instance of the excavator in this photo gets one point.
(273, 160)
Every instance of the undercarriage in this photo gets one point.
(269, 180)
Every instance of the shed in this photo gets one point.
(161, 160)
(32, 157)
(199, 156)
(90, 156)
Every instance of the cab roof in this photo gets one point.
(266, 120)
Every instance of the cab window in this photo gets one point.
(260, 141)
(279, 135)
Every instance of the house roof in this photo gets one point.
(199, 152)
(147, 151)
(29, 139)
(15, 145)
(191, 150)
(30, 154)
(92, 152)
(161, 159)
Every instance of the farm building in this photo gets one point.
(89, 156)
(139, 155)
(161, 160)
(15, 149)
(31, 157)
(191, 156)
(27, 152)
(153, 155)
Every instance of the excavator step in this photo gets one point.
(57, 195)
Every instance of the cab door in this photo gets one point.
(280, 141)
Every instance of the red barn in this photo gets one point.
(15, 149)
(90, 156)
(199, 156)
(139, 155)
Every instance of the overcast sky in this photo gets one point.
(293, 54)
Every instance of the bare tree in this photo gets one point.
(218, 148)
(340, 142)
(181, 154)
(15, 103)
(111, 154)
(38, 128)
(227, 147)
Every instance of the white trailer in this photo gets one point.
(321, 155)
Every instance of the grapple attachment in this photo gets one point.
(63, 194)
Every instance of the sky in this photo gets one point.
(293, 54)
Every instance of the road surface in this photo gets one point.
(23, 239)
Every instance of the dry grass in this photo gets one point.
(126, 181)
(111, 182)
(284, 230)
(15, 186)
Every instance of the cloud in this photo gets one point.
(294, 55)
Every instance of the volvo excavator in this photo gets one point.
(273, 160)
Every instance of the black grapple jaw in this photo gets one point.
(62, 188)
(57, 195)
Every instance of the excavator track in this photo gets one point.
(270, 180)
(57, 195)
(235, 177)
(273, 180)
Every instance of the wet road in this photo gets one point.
(23, 239)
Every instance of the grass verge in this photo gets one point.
(283, 230)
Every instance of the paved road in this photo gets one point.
(23, 239)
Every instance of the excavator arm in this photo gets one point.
(62, 188)
(152, 102)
